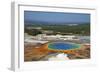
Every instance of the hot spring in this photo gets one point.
(62, 46)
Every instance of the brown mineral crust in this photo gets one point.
(83, 53)
(35, 52)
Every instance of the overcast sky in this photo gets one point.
(56, 17)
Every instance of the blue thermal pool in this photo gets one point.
(62, 46)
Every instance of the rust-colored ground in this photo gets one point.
(37, 52)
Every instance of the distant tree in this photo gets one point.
(33, 32)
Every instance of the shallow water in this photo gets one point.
(84, 39)
(62, 46)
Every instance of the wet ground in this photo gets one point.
(40, 52)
